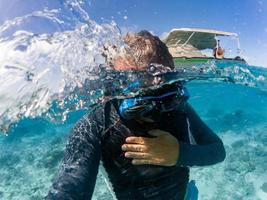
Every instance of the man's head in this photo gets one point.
(140, 51)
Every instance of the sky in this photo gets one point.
(248, 18)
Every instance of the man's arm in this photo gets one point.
(165, 149)
(77, 175)
(208, 149)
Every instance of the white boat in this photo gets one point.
(190, 46)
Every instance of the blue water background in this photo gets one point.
(31, 153)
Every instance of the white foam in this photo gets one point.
(36, 69)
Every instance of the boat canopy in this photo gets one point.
(190, 41)
(199, 38)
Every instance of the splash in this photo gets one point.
(37, 69)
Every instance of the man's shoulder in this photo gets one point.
(190, 111)
(97, 111)
(95, 116)
(184, 109)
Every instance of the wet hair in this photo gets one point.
(144, 48)
(140, 50)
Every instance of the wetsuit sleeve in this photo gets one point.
(208, 149)
(77, 175)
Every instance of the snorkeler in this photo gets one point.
(147, 143)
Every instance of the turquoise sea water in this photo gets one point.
(51, 47)
(31, 153)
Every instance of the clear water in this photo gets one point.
(31, 153)
(38, 69)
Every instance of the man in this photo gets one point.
(218, 51)
(147, 148)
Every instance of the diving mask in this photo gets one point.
(167, 98)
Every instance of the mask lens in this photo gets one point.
(163, 100)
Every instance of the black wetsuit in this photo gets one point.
(100, 134)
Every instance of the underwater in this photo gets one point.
(52, 71)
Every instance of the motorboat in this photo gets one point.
(191, 46)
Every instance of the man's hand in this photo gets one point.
(162, 150)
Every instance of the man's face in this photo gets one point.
(121, 63)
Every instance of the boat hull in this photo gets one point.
(189, 62)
